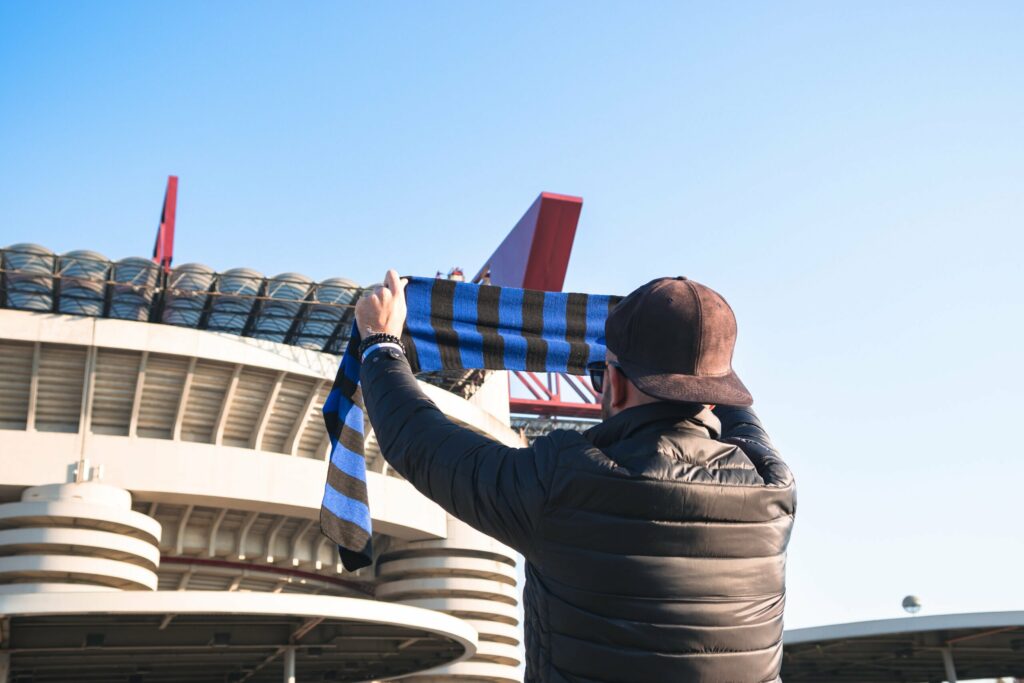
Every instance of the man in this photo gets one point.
(655, 543)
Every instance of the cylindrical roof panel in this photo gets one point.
(83, 281)
(236, 293)
(29, 270)
(188, 290)
(135, 281)
(334, 298)
(286, 293)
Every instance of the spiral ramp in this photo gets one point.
(77, 538)
(466, 575)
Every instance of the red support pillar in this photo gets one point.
(163, 250)
(535, 254)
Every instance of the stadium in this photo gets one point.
(165, 454)
(164, 458)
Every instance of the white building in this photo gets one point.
(162, 461)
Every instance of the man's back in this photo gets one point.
(655, 543)
(660, 554)
(655, 552)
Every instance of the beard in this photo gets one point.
(606, 404)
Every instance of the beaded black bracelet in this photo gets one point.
(379, 338)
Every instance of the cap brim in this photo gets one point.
(726, 390)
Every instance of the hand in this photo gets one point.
(383, 308)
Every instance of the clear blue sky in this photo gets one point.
(849, 175)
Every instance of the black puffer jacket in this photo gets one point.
(655, 544)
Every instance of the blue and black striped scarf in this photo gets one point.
(452, 326)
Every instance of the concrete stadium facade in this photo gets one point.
(159, 501)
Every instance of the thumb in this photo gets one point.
(394, 282)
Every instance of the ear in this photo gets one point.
(618, 385)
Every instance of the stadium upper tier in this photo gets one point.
(185, 467)
(289, 308)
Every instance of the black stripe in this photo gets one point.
(349, 389)
(342, 531)
(410, 351)
(346, 484)
(576, 330)
(351, 439)
(331, 423)
(347, 386)
(533, 325)
(442, 297)
(487, 299)
(357, 559)
(352, 347)
(355, 546)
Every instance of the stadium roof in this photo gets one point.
(289, 308)
(977, 645)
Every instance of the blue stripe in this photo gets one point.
(471, 342)
(417, 301)
(510, 325)
(348, 509)
(597, 313)
(352, 464)
(354, 418)
(333, 399)
(554, 331)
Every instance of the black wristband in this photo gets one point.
(379, 338)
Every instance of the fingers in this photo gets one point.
(378, 292)
(394, 283)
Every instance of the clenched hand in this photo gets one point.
(382, 309)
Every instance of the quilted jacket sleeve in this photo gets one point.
(492, 487)
(741, 427)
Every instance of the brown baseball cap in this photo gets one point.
(674, 340)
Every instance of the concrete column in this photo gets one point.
(5, 667)
(466, 575)
(289, 665)
(947, 660)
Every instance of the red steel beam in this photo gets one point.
(535, 254)
(530, 406)
(547, 400)
(163, 250)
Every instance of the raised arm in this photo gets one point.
(490, 486)
(742, 424)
